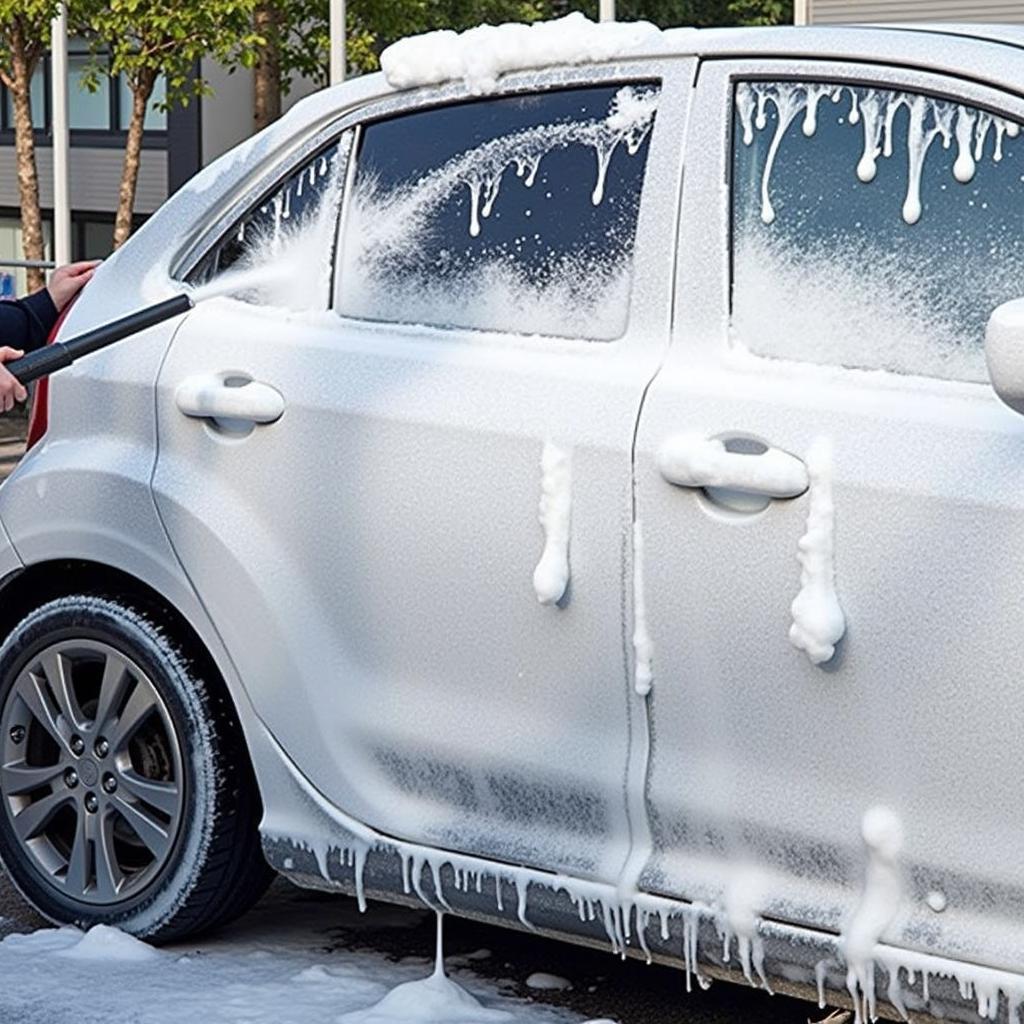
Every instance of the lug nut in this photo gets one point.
(92, 805)
(102, 747)
(71, 778)
(18, 733)
(109, 783)
(77, 745)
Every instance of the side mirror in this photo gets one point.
(1004, 353)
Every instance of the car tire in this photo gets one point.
(126, 793)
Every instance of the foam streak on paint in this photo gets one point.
(818, 620)
(882, 833)
(643, 646)
(928, 119)
(551, 576)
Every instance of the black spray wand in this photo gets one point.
(46, 360)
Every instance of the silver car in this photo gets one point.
(582, 501)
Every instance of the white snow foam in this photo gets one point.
(577, 296)
(479, 56)
(875, 111)
(287, 263)
(744, 895)
(856, 304)
(101, 942)
(882, 832)
(818, 620)
(643, 646)
(542, 982)
(551, 576)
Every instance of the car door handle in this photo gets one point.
(690, 460)
(229, 398)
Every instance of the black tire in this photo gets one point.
(213, 869)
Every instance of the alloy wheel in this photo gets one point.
(90, 771)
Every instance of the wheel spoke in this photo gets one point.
(112, 688)
(79, 872)
(30, 821)
(161, 795)
(32, 692)
(23, 778)
(58, 673)
(109, 876)
(139, 705)
(151, 831)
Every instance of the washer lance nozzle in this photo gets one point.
(49, 358)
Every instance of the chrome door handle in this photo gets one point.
(225, 397)
(690, 460)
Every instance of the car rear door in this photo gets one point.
(830, 500)
(371, 555)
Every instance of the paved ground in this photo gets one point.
(603, 986)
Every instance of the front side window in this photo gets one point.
(516, 214)
(872, 228)
(280, 252)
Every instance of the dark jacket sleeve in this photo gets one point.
(27, 322)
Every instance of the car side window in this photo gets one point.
(872, 228)
(514, 214)
(284, 244)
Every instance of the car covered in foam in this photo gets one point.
(581, 498)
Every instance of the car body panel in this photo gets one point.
(232, 517)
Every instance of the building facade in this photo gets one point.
(176, 144)
(825, 12)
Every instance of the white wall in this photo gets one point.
(831, 11)
(228, 113)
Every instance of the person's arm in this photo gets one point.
(26, 324)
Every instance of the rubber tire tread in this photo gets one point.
(233, 873)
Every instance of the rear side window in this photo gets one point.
(516, 214)
(872, 228)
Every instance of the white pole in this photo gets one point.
(337, 28)
(802, 12)
(607, 10)
(59, 125)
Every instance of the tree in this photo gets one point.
(24, 39)
(296, 39)
(142, 40)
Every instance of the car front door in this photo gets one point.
(831, 503)
(441, 665)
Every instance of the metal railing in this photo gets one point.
(28, 264)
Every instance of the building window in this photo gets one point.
(107, 109)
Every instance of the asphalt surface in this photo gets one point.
(603, 986)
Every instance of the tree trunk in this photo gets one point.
(267, 71)
(142, 89)
(25, 150)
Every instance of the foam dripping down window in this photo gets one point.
(872, 228)
(516, 214)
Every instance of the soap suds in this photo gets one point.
(551, 576)
(882, 833)
(929, 119)
(744, 895)
(643, 646)
(818, 620)
(692, 460)
(575, 295)
(480, 56)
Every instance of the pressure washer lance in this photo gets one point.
(56, 356)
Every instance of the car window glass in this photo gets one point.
(516, 214)
(872, 228)
(284, 244)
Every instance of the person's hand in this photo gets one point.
(11, 389)
(67, 281)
